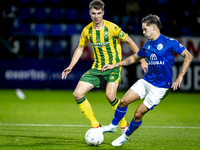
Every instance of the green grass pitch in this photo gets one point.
(51, 119)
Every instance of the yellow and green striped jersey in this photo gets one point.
(105, 43)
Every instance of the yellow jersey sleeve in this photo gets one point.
(83, 42)
(119, 33)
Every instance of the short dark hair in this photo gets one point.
(97, 4)
(152, 19)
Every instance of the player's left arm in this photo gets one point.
(186, 63)
(128, 61)
(135, 49)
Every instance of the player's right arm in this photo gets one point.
(77, 54)
(128, 61)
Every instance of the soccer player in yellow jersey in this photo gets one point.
(105, 39)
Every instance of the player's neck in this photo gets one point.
(98, 26)
(156, 35)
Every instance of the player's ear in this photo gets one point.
(154, 27)
(103, 12)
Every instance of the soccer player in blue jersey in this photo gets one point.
(155, 85)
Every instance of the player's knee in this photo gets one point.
(123, 103)
(110, 97)
(77, 95)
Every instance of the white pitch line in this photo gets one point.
(44, 125)
(60, 125)
(170, 127)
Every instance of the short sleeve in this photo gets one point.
(141, 53)
(83, 39)
(178, 47)
(119, 33)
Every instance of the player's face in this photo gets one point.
(148, 31)
(96, 15)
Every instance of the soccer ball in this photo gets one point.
(94, 137)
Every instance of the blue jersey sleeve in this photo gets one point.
(178, 47)
(141, 53)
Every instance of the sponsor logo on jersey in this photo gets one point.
(154, 61)
(153, 57)
(100, 44)
(180, 45)
(116, 28)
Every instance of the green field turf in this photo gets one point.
(50, 119)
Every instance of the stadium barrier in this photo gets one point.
(46, 74)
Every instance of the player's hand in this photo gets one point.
(177, 83)
(66, 72)
(107, 67)
(144, 66)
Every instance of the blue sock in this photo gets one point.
(119, 114)
(133, 126)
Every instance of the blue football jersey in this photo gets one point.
(160, 58)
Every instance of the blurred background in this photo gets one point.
(38, 37)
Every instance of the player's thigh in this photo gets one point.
(136, 92)
(81, 89)
(155, 96)
(140, 88)
(111, 90)
(129, 97)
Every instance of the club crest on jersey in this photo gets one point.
(122, 34)
(160, 46)
(105, 34)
